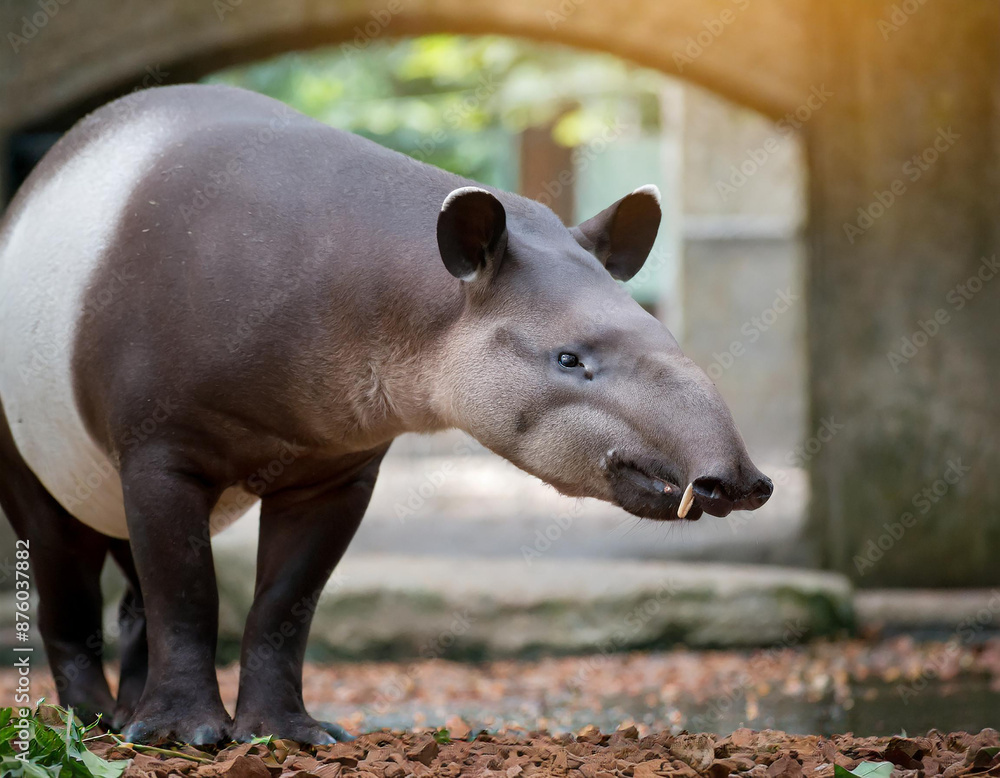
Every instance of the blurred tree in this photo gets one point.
(456, 101)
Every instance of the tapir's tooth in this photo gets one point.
(686, 501)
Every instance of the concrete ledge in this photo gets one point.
(400, 607)
(969, 614)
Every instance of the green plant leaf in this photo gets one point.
(54, 751)
(16, 768)
(442, 736)
(101, 768)
(865, 770)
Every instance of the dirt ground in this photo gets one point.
(588, 754)
(646, 704)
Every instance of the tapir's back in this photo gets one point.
(181, 216)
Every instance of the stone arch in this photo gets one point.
(65, 59)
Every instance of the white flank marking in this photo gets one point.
(48, 255)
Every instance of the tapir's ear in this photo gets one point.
(621, 236)
(471, 232)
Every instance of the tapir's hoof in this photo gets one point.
(339, 734)
(301, 729)
(88, 704)
(156, 729)
(121, 719)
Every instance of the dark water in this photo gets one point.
(877, 708)
(874, 708)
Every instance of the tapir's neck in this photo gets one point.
(401, 393)
(403, 366)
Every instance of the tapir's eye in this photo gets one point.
(569, 360)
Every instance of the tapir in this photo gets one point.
(209, 302)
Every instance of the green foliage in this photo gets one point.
(54, 751)
(865, 770)
(443, 736)
(457, 102)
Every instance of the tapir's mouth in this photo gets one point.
(648, 488)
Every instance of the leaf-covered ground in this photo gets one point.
(588, 754)
(677, 692)
(866, 686)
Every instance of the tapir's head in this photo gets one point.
(555, 367)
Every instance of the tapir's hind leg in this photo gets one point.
(132, 637)
(302, 537)
(167, 508)
(66, 561)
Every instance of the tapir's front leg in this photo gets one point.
(168, 510)
(303, 534)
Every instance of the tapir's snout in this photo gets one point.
(719, 496)
(649, 489)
